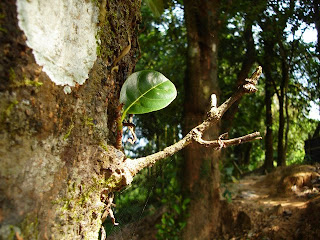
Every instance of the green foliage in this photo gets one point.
(2, 16)
(271, 21)
(227, 195)
(132, 203)
(227, 175)
(146, 91)
(300, 130)
(163, 47)
(174, 219)
(156, 6)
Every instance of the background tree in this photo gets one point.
(201, 166)
(268, 38)
(283, 65)
(241, 46)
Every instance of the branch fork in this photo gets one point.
(124, 169)
(195, 135)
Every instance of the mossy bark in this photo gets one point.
(58, 166)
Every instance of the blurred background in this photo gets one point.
(282, 37)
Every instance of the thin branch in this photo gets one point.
(195, 135)
(131, 128)
(218, 144)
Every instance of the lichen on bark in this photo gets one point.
(56, 149)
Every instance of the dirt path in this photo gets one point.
(281, 205)
(284, 205)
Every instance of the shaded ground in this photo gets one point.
(284, 204)
(143, 229)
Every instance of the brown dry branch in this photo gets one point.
(124, 169)
(195, 135)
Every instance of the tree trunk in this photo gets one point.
(316, 17)
(201, 173)
(56, 149)
(268, 162)
(281, 160)
(282, 132)
(286, 134)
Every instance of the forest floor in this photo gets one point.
(284, 204)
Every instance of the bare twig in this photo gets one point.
(131, 128)
(18, 236)
(218, 144)
(124, 169)
(103, 233)
(195, 135)
(237, 167)
(108, 211)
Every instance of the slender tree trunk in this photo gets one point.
(281, 161)
(281, 154)
(286, 135)
(316, 17)
(201, 173)
(56, 149)
(268, 162)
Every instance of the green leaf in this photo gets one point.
(177, 208)
(156, 6)
(146, 91)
